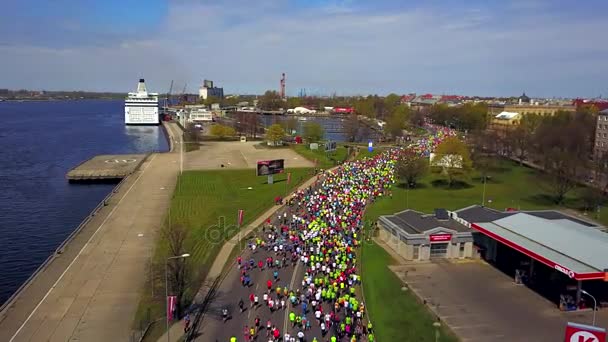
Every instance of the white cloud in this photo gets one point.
(245, 46)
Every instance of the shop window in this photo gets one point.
(461, 253)
(439, 250)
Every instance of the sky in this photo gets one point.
(348, 47)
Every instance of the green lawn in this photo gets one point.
(510, 186)
(324, 160)
(203, 202)
(406, 320)
(396, 315)
(364, 153)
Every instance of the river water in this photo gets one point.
(333, 126)
(39, 143)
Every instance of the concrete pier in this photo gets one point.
(110, 166)
(90, 290)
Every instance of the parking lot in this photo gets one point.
(480, 303)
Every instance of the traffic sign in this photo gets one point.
(576, 332)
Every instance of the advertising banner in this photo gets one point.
(171, 304)
(576, 332)
(270, 167)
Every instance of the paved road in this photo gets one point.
(231, 291)
(94, 294)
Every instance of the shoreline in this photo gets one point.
(29, 296)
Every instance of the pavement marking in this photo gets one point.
(291, 284)
(80, 252)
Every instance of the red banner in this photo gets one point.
(240, 217)
(171, 304)
(440, 237)
(576, 332)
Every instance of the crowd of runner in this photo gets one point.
(319, 232)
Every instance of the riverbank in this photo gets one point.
(87, 290)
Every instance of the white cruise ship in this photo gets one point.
(141, 108)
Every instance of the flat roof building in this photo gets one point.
(418, 236)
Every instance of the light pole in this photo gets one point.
(436, 325)
(594, 304)
(185, 255)
(181, 153)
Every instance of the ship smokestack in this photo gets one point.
(141, 86)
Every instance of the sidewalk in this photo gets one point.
(177, 329)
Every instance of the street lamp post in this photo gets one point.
(594, 304)
(436, 325)
(185, 255)
(181, 153)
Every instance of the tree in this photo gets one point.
(483, 151)
(176, 236)
(271, 100)
(313, 132)
(397, 121)
(452, 160)
(293, 102)
(351, 127)
(275, 134)
(417, 118)
(290, 125)
(391, 101)
(410, 167)
(222, 131)
(522, 136)
(562, 146)
(365, 106)
(592, 198)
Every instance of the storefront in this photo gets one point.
(419, 236)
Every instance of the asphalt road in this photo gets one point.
(230, 291)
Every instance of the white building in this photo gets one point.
(200, 115)
(207, 90)
(301, 110)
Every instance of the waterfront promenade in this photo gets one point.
(91, 290)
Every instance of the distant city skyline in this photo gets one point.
(348, 47)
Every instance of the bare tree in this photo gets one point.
(176, 236)
(351, 127)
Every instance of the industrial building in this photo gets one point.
(208, 89)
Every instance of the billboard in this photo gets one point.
(270, 167)
(576, 332)
(330, 146)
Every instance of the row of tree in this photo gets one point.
(562, 145)
(470, 116)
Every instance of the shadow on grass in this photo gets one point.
(413, 187)
(456, 185)
(544, 200)
(500, 169)
(489, 180)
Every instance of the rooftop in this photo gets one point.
(414, 222)
(574, 246)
